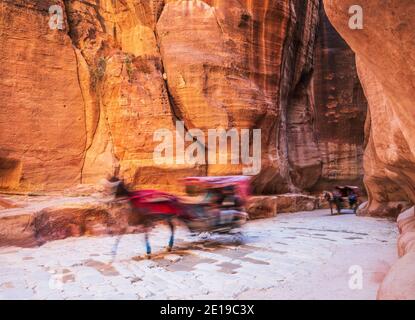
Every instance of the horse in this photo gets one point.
(333, 201)
(149, 208)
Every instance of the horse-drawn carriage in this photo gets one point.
(343, 197)
(220, 209)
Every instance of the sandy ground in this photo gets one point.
(293, 256)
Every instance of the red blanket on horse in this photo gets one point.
(153, 201)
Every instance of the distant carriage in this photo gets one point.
(343, 197)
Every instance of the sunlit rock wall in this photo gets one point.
(42, 114)
(83, 102)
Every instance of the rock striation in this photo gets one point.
(84, 101)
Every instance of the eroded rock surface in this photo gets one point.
(399, 283)
(54, 218)
(261, 207)
(269, 206)
(42, 118)
(85, 101)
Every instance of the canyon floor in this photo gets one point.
(305, 255)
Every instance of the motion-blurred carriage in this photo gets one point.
(219, 208)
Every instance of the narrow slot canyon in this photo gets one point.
(88, 100)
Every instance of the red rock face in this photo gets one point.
(127, 97)
(42, 118)
(385, 61)
(104, 75)
(246, 76)
(399, 283)
(297, 103)
(232, 80)
(35, 225)
(85, 101)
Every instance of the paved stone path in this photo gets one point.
(293, 256)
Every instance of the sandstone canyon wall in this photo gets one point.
(83, 102)
(385, 62)
(42, 116)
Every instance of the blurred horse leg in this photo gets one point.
(171, 241)
(148, 248)
(147, 227)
